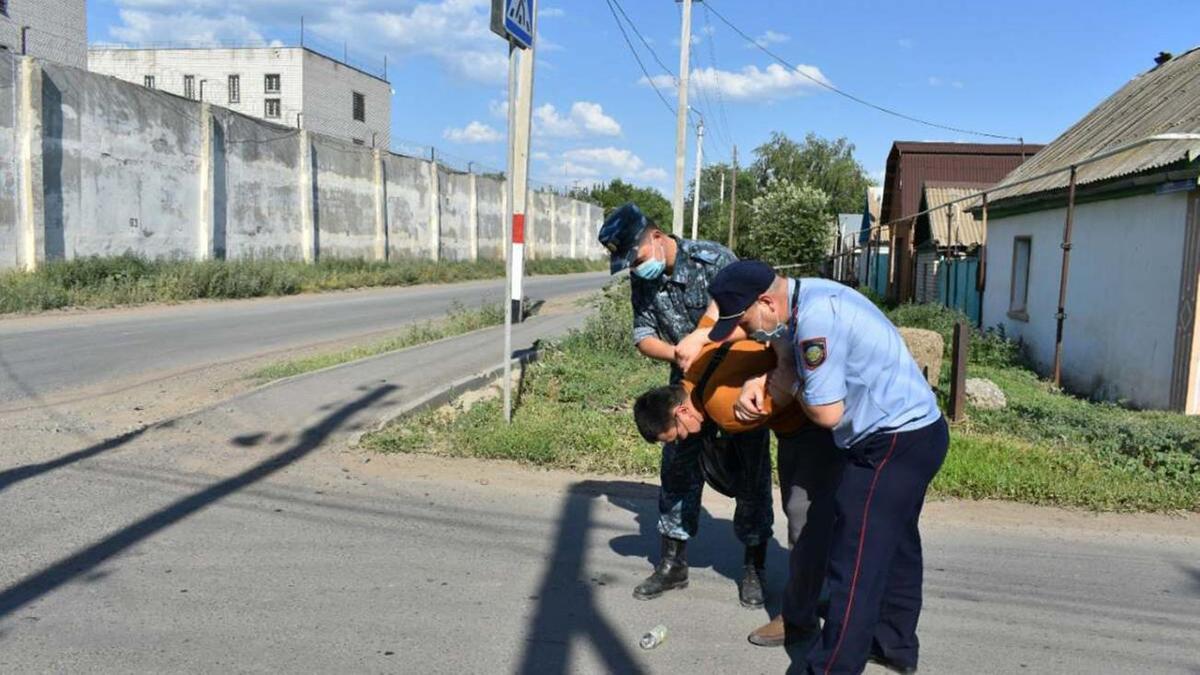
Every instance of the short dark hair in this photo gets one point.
(654, 411)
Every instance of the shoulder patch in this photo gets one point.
(706, 257)
(813, 352)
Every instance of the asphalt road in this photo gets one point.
(49, 354)
(247, 538)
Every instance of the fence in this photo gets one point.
(90, 165)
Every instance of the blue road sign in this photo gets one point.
(518, 21)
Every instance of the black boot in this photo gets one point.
(671, 572)
(750, 589)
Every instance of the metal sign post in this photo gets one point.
(515, 20)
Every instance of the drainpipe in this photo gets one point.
(1062, 283)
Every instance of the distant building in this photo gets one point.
(909, 166)
(947, 238)
(843, 249)
(54, 30)
(874, 241)
(1130, 328)
(293, 86)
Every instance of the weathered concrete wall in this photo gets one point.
(256, 191)
(344, 200)
(492, 213)
(9, 159)
(454, 190)
(408, 196)
(116, 168)
(121, 166)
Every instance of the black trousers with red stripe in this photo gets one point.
(874, 573)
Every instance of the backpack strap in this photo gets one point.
(717, 357)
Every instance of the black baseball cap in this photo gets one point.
(734, 289)
(621, 233)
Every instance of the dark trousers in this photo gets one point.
(809, 466)
(874, 548)
(682, 484)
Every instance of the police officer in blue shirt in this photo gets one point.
(669, 281)
(853, 375)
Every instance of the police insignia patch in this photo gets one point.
(814, 352)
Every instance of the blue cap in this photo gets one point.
(734, 289)
(621, 233)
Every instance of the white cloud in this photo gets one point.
(551, 13)
(935, 81)
(572, 170)
(541, 156)
(614, 161)
(956, 84)
(770, 38)
(750, 82)
(453, 32)
(475, 132)
(585, 118)
(905, 43)
(498, 108)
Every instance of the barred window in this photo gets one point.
(235, 89)
(147, 81)
(272, 85)
(189, 86)
(359, 107)
(272, 111)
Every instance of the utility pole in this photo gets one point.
(722, 188)
(733, 200)
(681, 113)
(696, 194)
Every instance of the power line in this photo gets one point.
(712, 49)
(852, 97)
(646, 42)
(638, 58)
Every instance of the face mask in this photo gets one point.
(766, 337)
(652, 268)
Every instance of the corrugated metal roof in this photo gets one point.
(911, 164)
(953, 225)
(1165, 99)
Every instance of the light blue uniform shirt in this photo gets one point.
(847, 350)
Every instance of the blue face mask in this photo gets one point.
(651, 269)
(766, 337)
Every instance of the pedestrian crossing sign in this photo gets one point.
(518, 21)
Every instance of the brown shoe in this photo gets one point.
(779, 633)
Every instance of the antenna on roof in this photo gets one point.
(1163, 57)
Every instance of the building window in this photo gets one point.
(1019, 293)
(272, 84)
(148, 81)
(189, 86)
(272, 109)
(360, 107)
(235, 89)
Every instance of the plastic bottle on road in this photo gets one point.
(654, 638)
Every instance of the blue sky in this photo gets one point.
(1025, 68)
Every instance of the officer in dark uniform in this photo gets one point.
(669, 280)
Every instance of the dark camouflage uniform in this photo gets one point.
(669, 308)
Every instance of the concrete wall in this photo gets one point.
(94, 166)
(9, 161)
(1122, 293)
(57, 30)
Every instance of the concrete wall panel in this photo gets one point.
(256, 191)
(344, 200)
(491, 218)
(9, 161)
(407, 189)
(564, 217)
(455, 193)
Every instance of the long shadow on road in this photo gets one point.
(17, 474)
(82, 562)
(566, 610)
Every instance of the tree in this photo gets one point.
(827, 165)
(714, 212)
(618, 193)
(790, 223)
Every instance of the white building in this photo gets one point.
(294, 86)
(1130, 330)
(54, 30)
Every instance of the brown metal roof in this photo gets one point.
(910, 165)
(953, 225)
(1165, 99)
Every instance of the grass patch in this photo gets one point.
(132, 280)
(1045, 448)
(460, 320)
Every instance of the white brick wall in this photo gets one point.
(329, 87)
(316, 92)
(57, 30)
